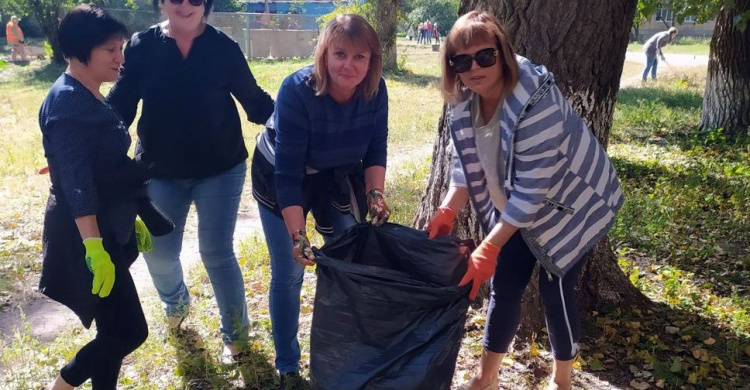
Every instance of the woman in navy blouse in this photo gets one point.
(88, 238)
(186, 73)
(324, 152)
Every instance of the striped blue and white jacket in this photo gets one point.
(562, 189)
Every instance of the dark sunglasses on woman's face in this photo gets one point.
(194, 3)
(462, 62)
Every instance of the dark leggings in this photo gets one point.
(121, 328)
(514, 268)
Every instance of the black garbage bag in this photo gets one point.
(388, 314)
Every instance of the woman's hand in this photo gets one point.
(441, 223)
(301, 250)
(482, 263)
(100, 264)
(378, 210)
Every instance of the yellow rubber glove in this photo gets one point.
(482, 263)
(100, 264)
(143, 237)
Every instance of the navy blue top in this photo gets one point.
(189, 125)
(83, 138)
(318, 132)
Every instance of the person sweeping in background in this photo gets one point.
(653, 49)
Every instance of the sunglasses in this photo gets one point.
(194, 3)
(462, 63)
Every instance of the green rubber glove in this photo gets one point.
(143, 237)
(100, 264)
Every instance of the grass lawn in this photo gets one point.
(682, 237)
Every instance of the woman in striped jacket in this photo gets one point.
(543, 188)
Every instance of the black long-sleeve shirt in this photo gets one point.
(189, 125)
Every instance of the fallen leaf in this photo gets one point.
(672, 329)
(709, 341)
(638, 385)
(661, 383)
(596, 365)
(700, 353)
(534, 350)
(747, 350)
(676, 365)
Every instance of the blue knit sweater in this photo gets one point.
(319, 133)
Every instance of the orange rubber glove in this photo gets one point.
(482, 263)
(441, 223)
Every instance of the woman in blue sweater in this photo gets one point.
(540, 182)
(325, 152)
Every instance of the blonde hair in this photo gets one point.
(469, 29)
(354, 29)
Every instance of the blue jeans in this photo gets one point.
(651, 63)
(286, 283)
(217, 200)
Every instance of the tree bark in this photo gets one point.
(583, 43)
(386, 24)
(48, 14)
(726, 101)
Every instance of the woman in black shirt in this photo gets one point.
(186, 72)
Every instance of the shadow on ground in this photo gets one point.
(728, 270)
(416, 79)
(662, 344)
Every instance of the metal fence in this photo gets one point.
(259, 35)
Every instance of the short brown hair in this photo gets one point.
(468, 29)
(358, 32)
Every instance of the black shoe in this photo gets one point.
(292, 381)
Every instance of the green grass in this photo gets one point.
(682, 237)
(682, 45)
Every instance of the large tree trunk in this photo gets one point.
(48, 15)
(726, 102)
(583, 43)
(386, 24)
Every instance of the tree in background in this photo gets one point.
(583, 44)
(386, 24)
(229, 6)
(382, 15)
(726, 100)
(48, 14)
